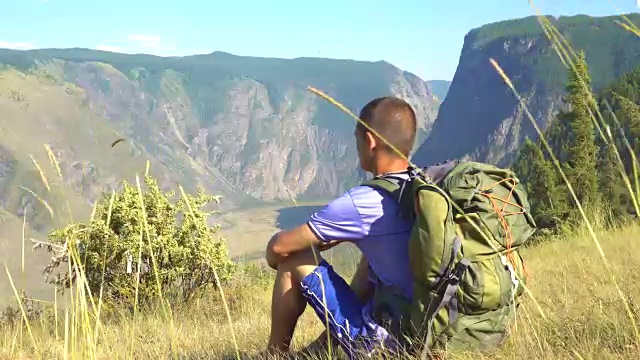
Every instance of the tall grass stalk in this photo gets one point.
(22, 311)
(565, 51)
(577, 202)
(628, 25)
(219, 285)
(166, 311)
(55, 311)
(631, 28)
(42, 176)
(53, 160)
(135, 304)
(42, 201)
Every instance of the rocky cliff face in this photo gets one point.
(440, 88)
(481, 119)
(244, 127)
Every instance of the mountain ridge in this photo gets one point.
(481, 112)
(232, 124)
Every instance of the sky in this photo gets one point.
(421, 36)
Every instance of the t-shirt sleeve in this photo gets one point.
(338, 220)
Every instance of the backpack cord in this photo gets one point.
(500, 211)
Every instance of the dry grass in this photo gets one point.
(585, 317)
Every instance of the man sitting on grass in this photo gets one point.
(364, 216)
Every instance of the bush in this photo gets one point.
(12, 315)
(169, 244)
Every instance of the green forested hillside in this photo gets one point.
(596, 142)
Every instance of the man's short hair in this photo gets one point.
(393, 119)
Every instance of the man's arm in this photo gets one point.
(360, 281)
(285, 243)
(338, 221)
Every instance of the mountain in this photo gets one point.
(481, 118)
(440, 88)
(243, 127)
(591, 165)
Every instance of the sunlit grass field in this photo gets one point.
(580, 314)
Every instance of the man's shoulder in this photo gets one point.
(364, 191)
(369, 189)
(361, 196)
(360, 199)
(368, 198)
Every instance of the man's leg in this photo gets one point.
(299, 282)
(362, 287)
(287, 302)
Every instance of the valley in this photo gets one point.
(247, 128)
(79, 124)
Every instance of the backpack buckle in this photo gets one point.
(413, 172)
(512, 272)
(459, 269)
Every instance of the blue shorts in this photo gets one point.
(349, 320)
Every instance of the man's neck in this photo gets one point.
(390, 166)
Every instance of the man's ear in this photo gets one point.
(371, 140)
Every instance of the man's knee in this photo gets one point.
(301, 263)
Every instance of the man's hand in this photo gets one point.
(285, 243)
(273, 259)
(323, 246)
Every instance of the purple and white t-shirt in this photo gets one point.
(369, 219)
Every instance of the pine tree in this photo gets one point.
(556, 135)
(620, 105)
(611, 184)
(581, 147)
(547, 197)
(630, 118)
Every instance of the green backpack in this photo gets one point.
(466, 284)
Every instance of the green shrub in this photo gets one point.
(177, 249)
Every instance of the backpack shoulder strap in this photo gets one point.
(391, 185)
(395, 185)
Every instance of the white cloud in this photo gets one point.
(138, 43)
(109, 48)
(16, 45)
(151, 41)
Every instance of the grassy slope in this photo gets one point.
(52, 114)
(31, 280)
(583, 311)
